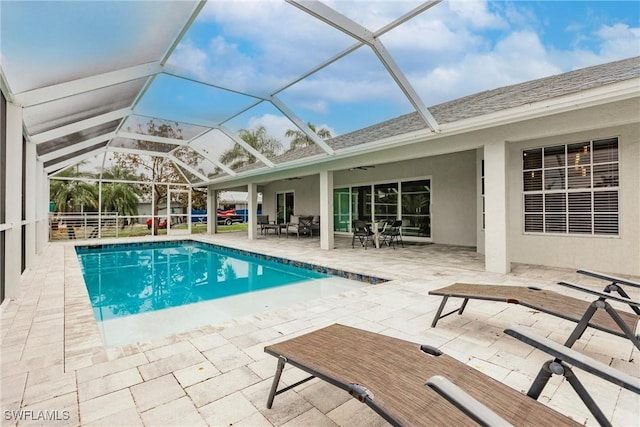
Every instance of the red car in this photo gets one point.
(161, 224)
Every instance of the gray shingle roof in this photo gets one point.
(482, 103)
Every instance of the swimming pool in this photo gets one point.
(140, 291)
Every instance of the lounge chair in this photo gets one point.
(598, 314)
(563, 360)
(389, 375)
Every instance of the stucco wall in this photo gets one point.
(453, 191)
(306, 195)
(453, 182)
(620, 255)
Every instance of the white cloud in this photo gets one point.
(456, 48)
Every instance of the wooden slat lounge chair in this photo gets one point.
(598, 314)
(389, 375)
(563, 360)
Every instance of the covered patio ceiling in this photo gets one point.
(91, 77)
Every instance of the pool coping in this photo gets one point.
(365, 278)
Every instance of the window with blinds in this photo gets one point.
(572, 189)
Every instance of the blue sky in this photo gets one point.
(451, 50)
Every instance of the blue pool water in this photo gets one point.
(125, 280)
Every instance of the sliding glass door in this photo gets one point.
(416, 208)
(409, 201)
(284, 207)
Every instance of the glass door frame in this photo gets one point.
(170, 214)
(399, 182)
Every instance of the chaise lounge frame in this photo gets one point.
(389, 375)
(598, 314)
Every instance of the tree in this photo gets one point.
(300, 139)
(154, 169)
(119, 196)
(73, 195)
(237, 157)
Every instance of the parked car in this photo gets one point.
(228, 217)
(161, 224)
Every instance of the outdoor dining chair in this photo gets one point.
(362, 232)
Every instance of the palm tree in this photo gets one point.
(300, 139)
(118, 196)
(238, 157)
(71, 195)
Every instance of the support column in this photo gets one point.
(496, 208)
(326, 210)
(30, 198)
(13, 207)
(212, 211)
(41, 210)
(252, 207)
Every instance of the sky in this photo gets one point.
(456, 48)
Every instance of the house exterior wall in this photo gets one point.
(306, 195)
(453, 191)
(619, 254)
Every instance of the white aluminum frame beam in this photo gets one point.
(79, 126)
(151, 138)
(64, 90)
(221, 165)
(342, 23)
(137, 151)
(74, 160)
(301, 125)
(188, 168)
(246, 146)
(76, 147)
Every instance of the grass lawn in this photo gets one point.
(141, 230)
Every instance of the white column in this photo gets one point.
(30, 200)
(13, 236)
(252, 188)
(326, 210)
(42, 207)
(212, 211)
(496, 208)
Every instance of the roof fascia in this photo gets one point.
(79, 126)
(284, 109)
(73, 161)
(151, 138)
(76, 147)
(63, 90)
(590, 98)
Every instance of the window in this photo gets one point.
(572, 189)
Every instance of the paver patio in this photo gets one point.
(52, 357)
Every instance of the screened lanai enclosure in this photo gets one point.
(118, 115)
(118, 102)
